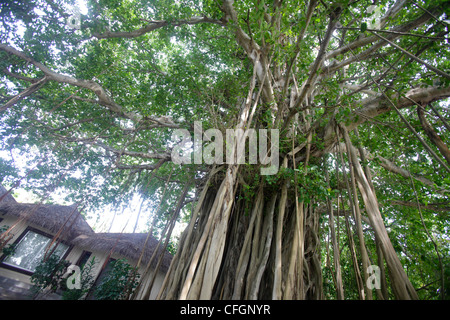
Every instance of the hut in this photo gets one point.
(36, 225)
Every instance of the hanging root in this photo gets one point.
(402, 287)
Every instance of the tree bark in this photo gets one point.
(434, 137)
(401, 285)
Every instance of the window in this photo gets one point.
(100, 277)
(83, 259)
(30, 250)
(105, 271)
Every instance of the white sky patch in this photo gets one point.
(125, 219)
(82, 6)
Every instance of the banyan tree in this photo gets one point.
(351, 97)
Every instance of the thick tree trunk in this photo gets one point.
(228, 252)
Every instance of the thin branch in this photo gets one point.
(311, 7)
(98, 90)
(140, 167)
(429, 66)
(153, 25)
(440, 116)
(138, 154)
(432, 240)
(19, 76)
(360, 42)
(431, 133)
(67, 125)
(334, 16)
(430, 13)
(25, 93)
(396, 33)
(437, 207)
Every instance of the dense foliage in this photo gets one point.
(87, 110)
(119, 282)
(48, 276)
(80, 285)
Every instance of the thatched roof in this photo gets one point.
(50, 217)
(78, 232)
(8, 198)
(128, 245)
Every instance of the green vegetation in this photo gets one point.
(361, 103)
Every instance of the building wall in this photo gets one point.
(18, 230)
(100, 258)
(16, 285)
(159, 279)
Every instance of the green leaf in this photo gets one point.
(363, 27)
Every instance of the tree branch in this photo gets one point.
(309, 13)
(153, 25)
(243, 39)
(104, 98)
(20, 77)
(375, 106)
(396, 33)
(253, 50)
(25, 93)
(334, 16)
(360, 42)
(434, 137)
(438, 207)
(429, 66)
(139, 167)
(144, 155)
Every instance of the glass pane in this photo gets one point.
(60, 249)
(30, 251)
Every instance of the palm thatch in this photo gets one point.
(129, 245)
(8, 198)
(77, 231)
(50, 217)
